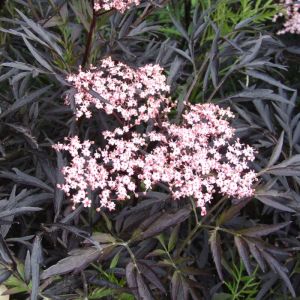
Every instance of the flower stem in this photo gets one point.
(89, 38)
(200, 224)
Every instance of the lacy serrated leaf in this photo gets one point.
(28, 99)
(277, 151)
(75, 262)
(36, 258)
(165, 221)
(143, 289)
(215, 246)
(262, 229)
(281, 270)
(243, 252)
(289, 167)
(173, 238)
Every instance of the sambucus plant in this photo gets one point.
(147, 123)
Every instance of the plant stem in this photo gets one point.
(187, 14)
(220, 85)
(32, 8)
(89, 38)
(57, 9)
(124, 244)
(200, 225)
(192, 86)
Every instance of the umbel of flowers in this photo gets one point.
(120, 5)
(136, 95)
(197, 158)
(291, 16)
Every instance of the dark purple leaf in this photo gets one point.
(34, 96)
(19, 211)
(76, 262)
(257, 256)
(261, 230)
(131, 278)
(268, 79)
(289, 167)
(27, 268)
(20, 177)
(143, 289)
(177, 289)
(281, 270)
(230, 213)
(243, 252)
(4, 275)
(150, 275)
(165, 221)
(270, 201)
(215, 246)
(36, 258)
(5, 252)
(277, 151)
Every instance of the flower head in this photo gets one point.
(291, 17)
(120, 5)
(197, 158)
(136, 95)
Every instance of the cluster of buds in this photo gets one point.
(198, 158)
(291, 16)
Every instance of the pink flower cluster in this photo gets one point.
(135, 94)
(197, 158)
(120, 5)
(292, 17)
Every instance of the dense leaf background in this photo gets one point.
(225, 52)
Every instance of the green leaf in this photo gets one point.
(115, 260)
(103, 238)
(101, 293)
(157, 252)
(222, 296)
(173, 238)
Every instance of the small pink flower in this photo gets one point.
(142, 98)
(291, 17)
